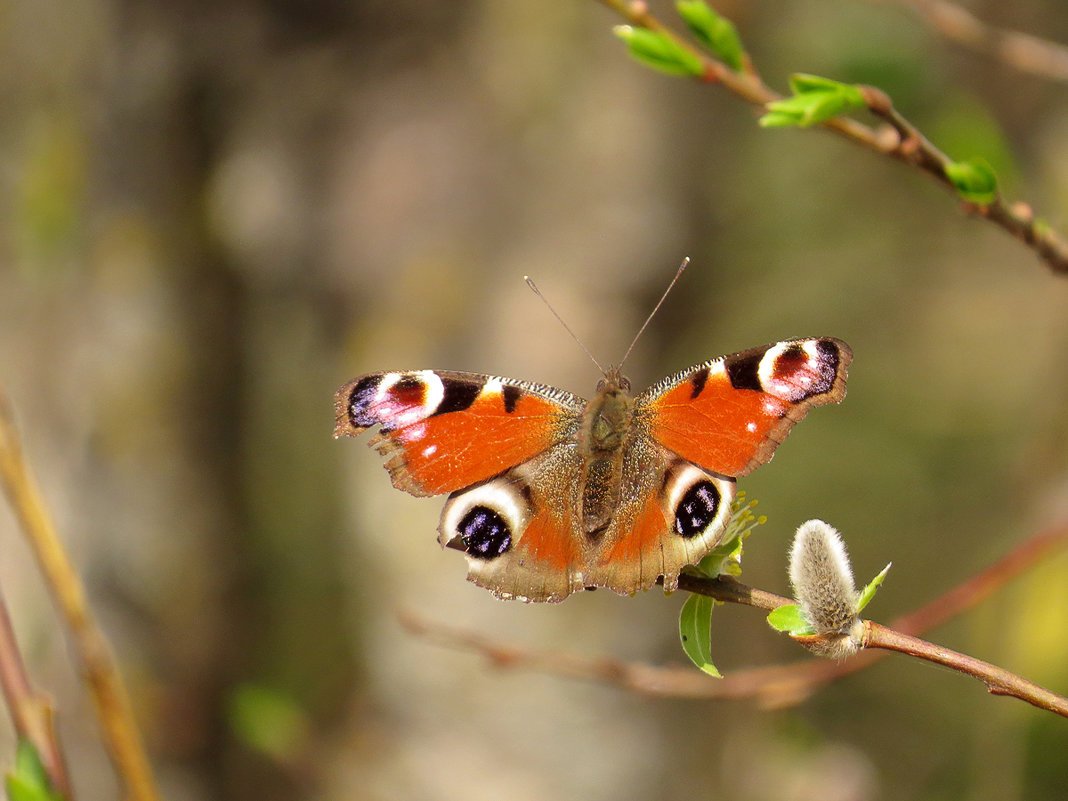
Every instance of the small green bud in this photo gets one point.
(815, 100)
(659, 51)
(974, 180)
(716, 33)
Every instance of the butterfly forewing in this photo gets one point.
(443, 431)
(729, 415)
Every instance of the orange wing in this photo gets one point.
(443, 431)
(730, 414)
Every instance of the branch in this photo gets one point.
(898, 140)
(777, 686)
(1018, 218)
(997, 680)
(99, 670)
(1021, 51)
(664, 682)
(31, 712)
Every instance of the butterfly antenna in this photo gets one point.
(656, 308)
(536, 291)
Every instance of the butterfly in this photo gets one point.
(550, 493)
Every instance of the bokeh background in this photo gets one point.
(214, 213)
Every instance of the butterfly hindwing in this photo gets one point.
(523, 538)
(729, 415)
(443, 431)
(518, 529)
(671, 513)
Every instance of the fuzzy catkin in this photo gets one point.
(822, 578)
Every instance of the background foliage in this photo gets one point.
(213, 214)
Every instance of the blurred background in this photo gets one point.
(214, 214)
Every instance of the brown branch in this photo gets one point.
(31, 712)
(899, 140)
(667, 682)
(773, 686)
(997, 680)
(730, 590)
(1020, 51)
(776, 685)
(912, 147)
(99, 670)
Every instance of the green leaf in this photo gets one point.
(19, 790)
(659, 51)
(778, 119)
(268, 720)
(815, 100)
(974, 180)
(724, 558)
(28, 764)
(29, 781)
(716, 33)
(789, 619)
(802, 83)
(869, 591)
(694, 631)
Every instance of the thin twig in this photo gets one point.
(121, 734)
(668, 682)
(912, 147)
(1021, 51)
(730, 590)
(899, 140)
(813, 674)
(997, 680)
(776, 685)
(31, 712)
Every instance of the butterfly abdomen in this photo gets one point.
(606, 425)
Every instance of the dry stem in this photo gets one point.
(99, 670)
(1020, 51)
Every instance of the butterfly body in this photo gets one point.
(549, 493)
(607, 427)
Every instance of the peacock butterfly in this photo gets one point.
(550, 493)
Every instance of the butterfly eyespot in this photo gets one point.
(797, 371)
(394, 401)
(484, 533)
(361, 397)
(697, 509)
